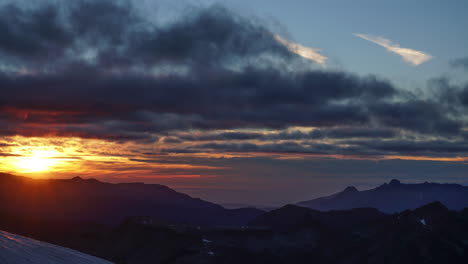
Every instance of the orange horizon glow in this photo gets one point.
(36, 161)
(45, 157)
(59, 157)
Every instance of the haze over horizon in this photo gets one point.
(235, 101)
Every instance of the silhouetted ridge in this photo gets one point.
(89, 200)
(433, 207)
(78, 179)
(394, 182)
(394, 197)
(169, 230)
(293, 217)
(350, 189)
(433, 213)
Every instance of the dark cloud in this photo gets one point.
(460, 63)
(353, 148)
(323, 133)
(277, 148)
(112, 34)
(247, 98)
(98, 69)
(208, 36)
(419, 147)
(217, 136)
(360, 133)
(417, 115)
(32, 34)
(335, 133)
(453, 96)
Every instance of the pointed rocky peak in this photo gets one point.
(350, 189)
(394, 182)
(77, 179)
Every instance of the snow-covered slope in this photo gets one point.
(15, 249)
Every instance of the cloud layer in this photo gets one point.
(414, 57)
(99, 70)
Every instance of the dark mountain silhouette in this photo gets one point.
(394, 197)
(428, 234)
(89, 200)
(293, 217)
(292, 234)
(169, 227)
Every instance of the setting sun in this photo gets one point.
(37, 161)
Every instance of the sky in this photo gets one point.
(255, 102)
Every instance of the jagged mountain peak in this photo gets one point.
(394, 182)
(77, 178)
(350, 189)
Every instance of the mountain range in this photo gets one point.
(430, 234)
(393, 197)
(93, 201)
(135, 223)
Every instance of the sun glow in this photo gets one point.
(36, 161)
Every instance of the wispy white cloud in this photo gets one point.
(303, 51)
(414, 57)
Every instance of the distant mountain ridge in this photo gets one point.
(164, 226)
(393, 197)
(90, 200)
